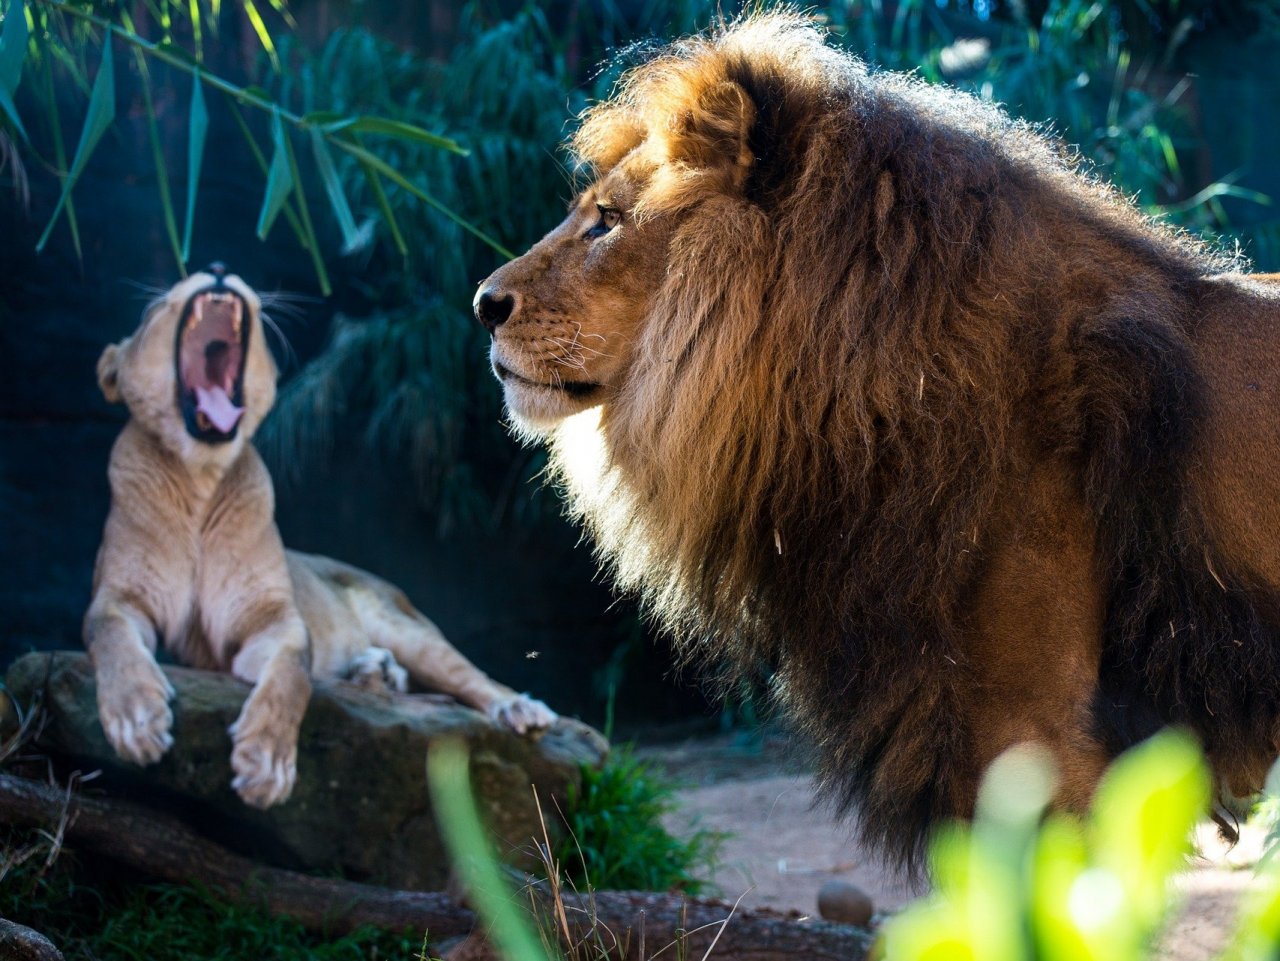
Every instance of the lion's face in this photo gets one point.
(565, 317)
(197, 373)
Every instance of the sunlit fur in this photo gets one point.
(901, 344)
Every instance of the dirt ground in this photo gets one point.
(782, 846)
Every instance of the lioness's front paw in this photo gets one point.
(265, 763)
(133, 706)
(523, 714)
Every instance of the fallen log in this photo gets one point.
(635, 925)
(18, 943)
(162, 846)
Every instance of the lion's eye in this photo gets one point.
(609, 218)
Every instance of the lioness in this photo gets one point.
(191, 554)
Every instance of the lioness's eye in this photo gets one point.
(609, 218)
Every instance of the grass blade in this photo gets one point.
(264, 35)
(102, 110)
(13, 48)
(406, 131)
(450, 783)
(333, 186)
(304, 213)
(388, 215)
(279, 178)
(198, 127)
(157, 157)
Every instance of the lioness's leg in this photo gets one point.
(265, 753)
(392, 622)
(133, 693)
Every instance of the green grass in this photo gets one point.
(616, 839)
(92, 913)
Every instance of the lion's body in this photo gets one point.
(190, 554)
(872, 387)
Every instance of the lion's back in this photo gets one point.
(1236, 345)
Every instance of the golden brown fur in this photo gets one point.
(191, 555)
(868, 385)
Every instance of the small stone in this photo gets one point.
(846, 903)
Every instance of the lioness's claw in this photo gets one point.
(265, 766)
(523, 714)
(135, 715)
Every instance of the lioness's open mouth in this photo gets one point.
(209, 357)
(573, 388)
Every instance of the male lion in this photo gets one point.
(191, 553)
(856, 378)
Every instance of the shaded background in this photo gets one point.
(387, 446)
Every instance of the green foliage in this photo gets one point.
(64, 33)
(91, 919)
(616, 837)
(1019, 886)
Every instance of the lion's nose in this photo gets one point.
(493, 307)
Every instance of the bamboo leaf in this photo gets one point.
(282, 8)
(10, 110)
(397, 178)
(304, 212)
(261, 161)
(325, 118)
(264, 35)
(388, 215)
(157, 157)
(333, 186)
(13, 49)
(102, 110)
(59, 148)
(279, 178)
(197, 28)
(198, 127)
(406, 131)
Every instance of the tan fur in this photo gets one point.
(191, 554)
(877, 390)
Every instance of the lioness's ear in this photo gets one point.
(714, 134)
(109, 373)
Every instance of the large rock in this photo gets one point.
(360, 807)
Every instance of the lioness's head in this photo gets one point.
(197, 373)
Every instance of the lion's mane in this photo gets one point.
(907, 292)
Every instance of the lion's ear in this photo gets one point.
(109, 373)
(714, 135)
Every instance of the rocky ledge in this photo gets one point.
(360, 807)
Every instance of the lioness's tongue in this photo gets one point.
(217, 406)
